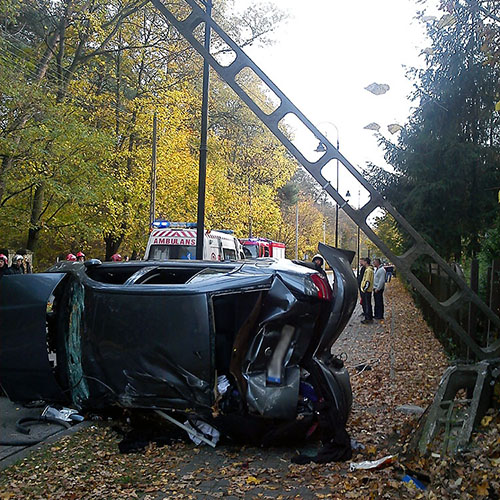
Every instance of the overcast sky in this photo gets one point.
(329, 50)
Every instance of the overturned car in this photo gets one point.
(161, 335)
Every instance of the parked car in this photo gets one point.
(160, 335)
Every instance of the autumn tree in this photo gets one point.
(447, 158)
(80, 84)
(52, 41)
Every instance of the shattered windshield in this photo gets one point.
(166, 252)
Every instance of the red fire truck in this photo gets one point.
(262, 247)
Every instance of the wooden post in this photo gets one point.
(494, 293)
(474, 284)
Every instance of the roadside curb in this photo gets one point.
(52, 438)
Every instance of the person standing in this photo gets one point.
(378, 289)
(361, 272)
(366, 290)
(4, 264)
(318, 262)
(17, 265)
(389, 269)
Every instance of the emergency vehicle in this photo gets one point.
(177, 240)
(262, 247)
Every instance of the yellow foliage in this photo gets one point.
(102, 137)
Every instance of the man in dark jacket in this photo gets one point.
(361, 272)
(366, 291)
(318, 262)
(17, 265)
(378, 289)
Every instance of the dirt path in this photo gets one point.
(405, 363)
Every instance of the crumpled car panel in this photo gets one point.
(345, 294)
(149, 350)
(24, 364)
(158, 334)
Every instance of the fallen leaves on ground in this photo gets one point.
(405, 365)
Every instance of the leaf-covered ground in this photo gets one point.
(402, 364)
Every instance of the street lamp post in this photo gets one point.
(348, 195)
(202, 170)
(297, 229)
(336, 204)
(321, 148)
(152, 204)
(357, 241)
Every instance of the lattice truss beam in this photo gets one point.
(190, 20)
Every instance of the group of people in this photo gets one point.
(371, 280)
(15, 268)
(80, 257)
(18, 266)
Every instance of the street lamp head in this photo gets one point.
(321, 148)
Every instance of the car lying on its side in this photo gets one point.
(160, 335)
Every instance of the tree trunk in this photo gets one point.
(36, 212)
(117, 89)
(37, 208)
(113, 243)
(114, 240)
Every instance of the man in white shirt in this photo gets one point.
(378, 289)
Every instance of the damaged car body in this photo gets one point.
(159, 335)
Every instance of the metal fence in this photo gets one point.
(487, 284)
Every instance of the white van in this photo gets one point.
(177, 240)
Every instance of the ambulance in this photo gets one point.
(177, 240)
